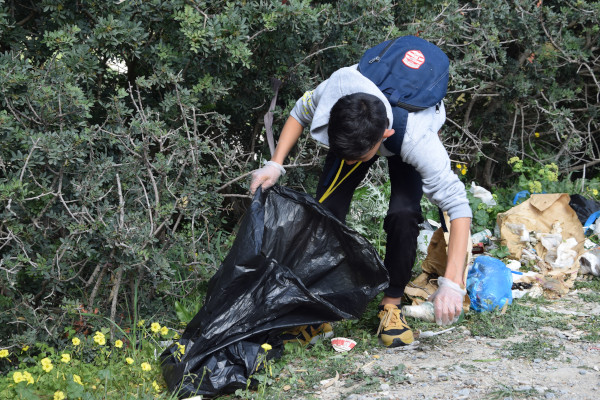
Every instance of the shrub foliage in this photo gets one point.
(128, 127)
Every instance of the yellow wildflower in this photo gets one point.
(18, 377)
(155, 327)
(25, 348)
(266, 346)
(129, 360)
(537, 134)
(58, 395)
(535, 186)
(513, 160)
(77, 379)
(464, 171)
(76, 341)
(100, 338)
(181, 348)
(164, 331)
(3, 353)
(176, 336)
(27, 376)
(118, 343)
(459, 166)
(141, 322)
(146, 367)
(595, 192)
(65, 357)
(156, 386)
(47, 364)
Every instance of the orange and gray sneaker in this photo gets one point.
(307, 334)
(393, 330)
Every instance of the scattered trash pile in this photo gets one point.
(293, 263)
(546, 238)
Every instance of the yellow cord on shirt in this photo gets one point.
(333, 185)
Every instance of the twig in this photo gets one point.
(578, 167)
(121, 202)
(231, 182)
(27, 159)
(114, 295)
(512, 132)
(148, 204)
(312, 55)
(62, 200)
(151, 175)
(179, 218)
(97, 285)
(97, 269)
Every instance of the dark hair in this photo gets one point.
(356, 123)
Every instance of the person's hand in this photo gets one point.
(266, 176)
(447, 301)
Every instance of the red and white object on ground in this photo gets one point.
(342, 344)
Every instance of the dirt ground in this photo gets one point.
(459, 365)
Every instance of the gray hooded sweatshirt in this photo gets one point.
(421, 146)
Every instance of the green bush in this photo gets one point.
(524, 81)
(128, 128)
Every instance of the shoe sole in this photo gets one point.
(395, 343)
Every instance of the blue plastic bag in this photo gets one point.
(489, 284)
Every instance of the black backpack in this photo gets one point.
(412, 74)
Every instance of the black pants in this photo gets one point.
(403, 217)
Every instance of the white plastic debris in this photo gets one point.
(588, 244)
(424, 311)
(423, 240)
(483, 194)
(590, 262)
(561, 254)
(514, 265)
(521, 230)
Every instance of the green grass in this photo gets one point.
(504, 391)
(90, 367)
(533, 347)
(105, 373)
(588, 282)
(590, 297)
(520, 316)
(591, 326)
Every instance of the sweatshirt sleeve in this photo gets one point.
(305, 107)
(423, 149)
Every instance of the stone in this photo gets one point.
(523, 388)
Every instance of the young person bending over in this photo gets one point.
(351, 115)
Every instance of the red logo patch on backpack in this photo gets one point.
(413, 59)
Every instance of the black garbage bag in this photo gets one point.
(292, 263)
(583, 207)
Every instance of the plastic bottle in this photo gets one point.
(481, 237)
(424, 311)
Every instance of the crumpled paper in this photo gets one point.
(434, 266)
(545, 233)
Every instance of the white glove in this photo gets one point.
(266, 176)
(447, 301)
